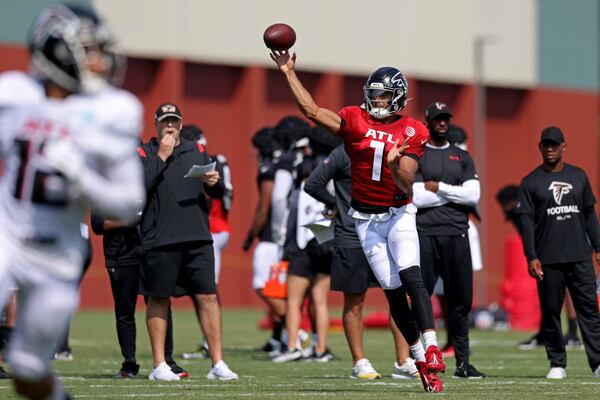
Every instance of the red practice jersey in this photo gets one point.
(217, 217)
(367, 142)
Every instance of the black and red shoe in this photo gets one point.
(177, 370)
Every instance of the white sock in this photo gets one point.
(417, 351)
(430, 339)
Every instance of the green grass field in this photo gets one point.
(513, 374)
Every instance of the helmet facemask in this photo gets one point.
(377, 93)
(62, 43)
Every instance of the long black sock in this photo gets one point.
(412, 282)
(64, 343)
(402, 314)
(5, 332)
(277, 328)
(169, 338)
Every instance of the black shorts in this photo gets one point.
(351, 272)
(308, 266)
(179, 269)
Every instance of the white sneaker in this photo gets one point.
(364, 370)
(408, 370)
(286, 356)
(597, 372)
(222, 372)
(163, 373)
(557, 373)
(304, 343)
(64, 356)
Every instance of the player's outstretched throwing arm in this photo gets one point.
(321, 116)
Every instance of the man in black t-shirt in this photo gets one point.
(507, 197)
(560, 229)
(446, 188)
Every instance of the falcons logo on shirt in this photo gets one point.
(559, 189)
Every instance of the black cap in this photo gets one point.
(167, 110)
(436, 109)
(553, 134)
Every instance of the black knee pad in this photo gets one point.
(411, 278)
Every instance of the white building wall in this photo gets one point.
(430, 39)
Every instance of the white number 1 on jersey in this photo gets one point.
(377, 159)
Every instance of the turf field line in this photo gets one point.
(150, 386)
(80, 396)
(392, 384)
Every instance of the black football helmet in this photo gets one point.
(60, 41)
(322, 142)
(386, 80)
(266, 145)
(291, 132)
(193, 133)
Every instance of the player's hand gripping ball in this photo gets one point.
(279, 37)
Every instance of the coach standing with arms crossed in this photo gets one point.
(559, 229)
(176, 241)
(446, 188)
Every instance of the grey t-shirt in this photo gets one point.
(337, 167)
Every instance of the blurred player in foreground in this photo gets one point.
(68, 138)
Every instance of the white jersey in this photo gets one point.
(40, 210)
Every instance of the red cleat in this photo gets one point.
(431, 382)
(435, 360)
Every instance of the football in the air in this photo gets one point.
(279, 37)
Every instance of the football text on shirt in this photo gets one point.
(558, 190)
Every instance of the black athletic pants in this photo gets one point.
(124, 282)
(579, 278)
(449, 257)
